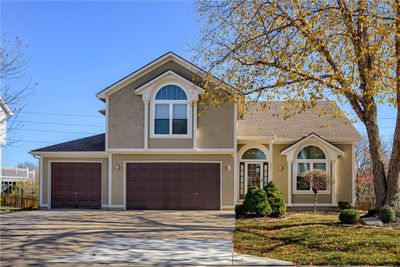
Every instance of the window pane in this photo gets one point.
(254, 153)
(161, 123)
(162, 111)
(171, 92)
(301, 184)
(311, 152)
(319, 166)
(241, 181)
(179, 126)
(161, 126)
(179, 123)
(265, 174)
(180, 111)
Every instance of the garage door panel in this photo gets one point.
(173, 186)
(76, 185)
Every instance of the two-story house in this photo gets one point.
(161, 152)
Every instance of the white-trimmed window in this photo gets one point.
(171, 112)
(309, 158)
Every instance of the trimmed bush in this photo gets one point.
(349, 216)
(372, 213)
(275, 199)
(387, 214)
(239, 209)
(255, 202)
(344, 205)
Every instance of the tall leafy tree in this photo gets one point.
(306, 51)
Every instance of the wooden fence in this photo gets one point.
(16, 201)
(364, 205)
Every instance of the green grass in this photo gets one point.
(317, 239)
(6, 209)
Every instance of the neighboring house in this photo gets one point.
(160, 152)
(5, 112)
(10, 177)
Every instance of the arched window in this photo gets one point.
(254, 153)
(171, 111)
(309, 158)
(171, 92)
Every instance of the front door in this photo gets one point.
(253, 174)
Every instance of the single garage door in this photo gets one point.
(76, 185)
(173, 186)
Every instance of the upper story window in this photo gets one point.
(309, 158)
(171, 111)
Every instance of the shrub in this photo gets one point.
(372, 213)
(387, 214)
(255, 202)
(275, 199)
(349, 216)
(239, 209)
(344, 205)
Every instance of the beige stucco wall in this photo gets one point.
(344, 172)
(118, 175)
(280, 178)
(125, 119)
(45, 176)
(215, 126)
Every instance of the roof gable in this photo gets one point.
(148, 89)
(170, 56)
(312, 139)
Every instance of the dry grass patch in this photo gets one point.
(319, 239)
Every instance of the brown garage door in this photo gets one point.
(76, 185)
(173, 186)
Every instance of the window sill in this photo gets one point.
(176, 136)
(325, 192)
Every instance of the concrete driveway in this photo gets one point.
(138, 237)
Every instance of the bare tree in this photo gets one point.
(13, 66)
(307, 51)
(318, 180)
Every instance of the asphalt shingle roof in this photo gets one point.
(94, 143)
(259, 121)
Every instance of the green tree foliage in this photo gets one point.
(255, 202)
(275, 200)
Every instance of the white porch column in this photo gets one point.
(235, 179)
(194, 127)
(270, 160)
(146, 124)
(333, 189)
(289, 182)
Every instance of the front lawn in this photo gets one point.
(319, 239)
(6, 209)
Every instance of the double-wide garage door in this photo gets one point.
(173, 186)
(148, 185)
(76, 185)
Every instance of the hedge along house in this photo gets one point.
(159, 152)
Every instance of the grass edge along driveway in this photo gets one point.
(317, 239)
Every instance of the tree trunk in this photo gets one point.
(315, 202)
(393, 181)
(376, 152)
